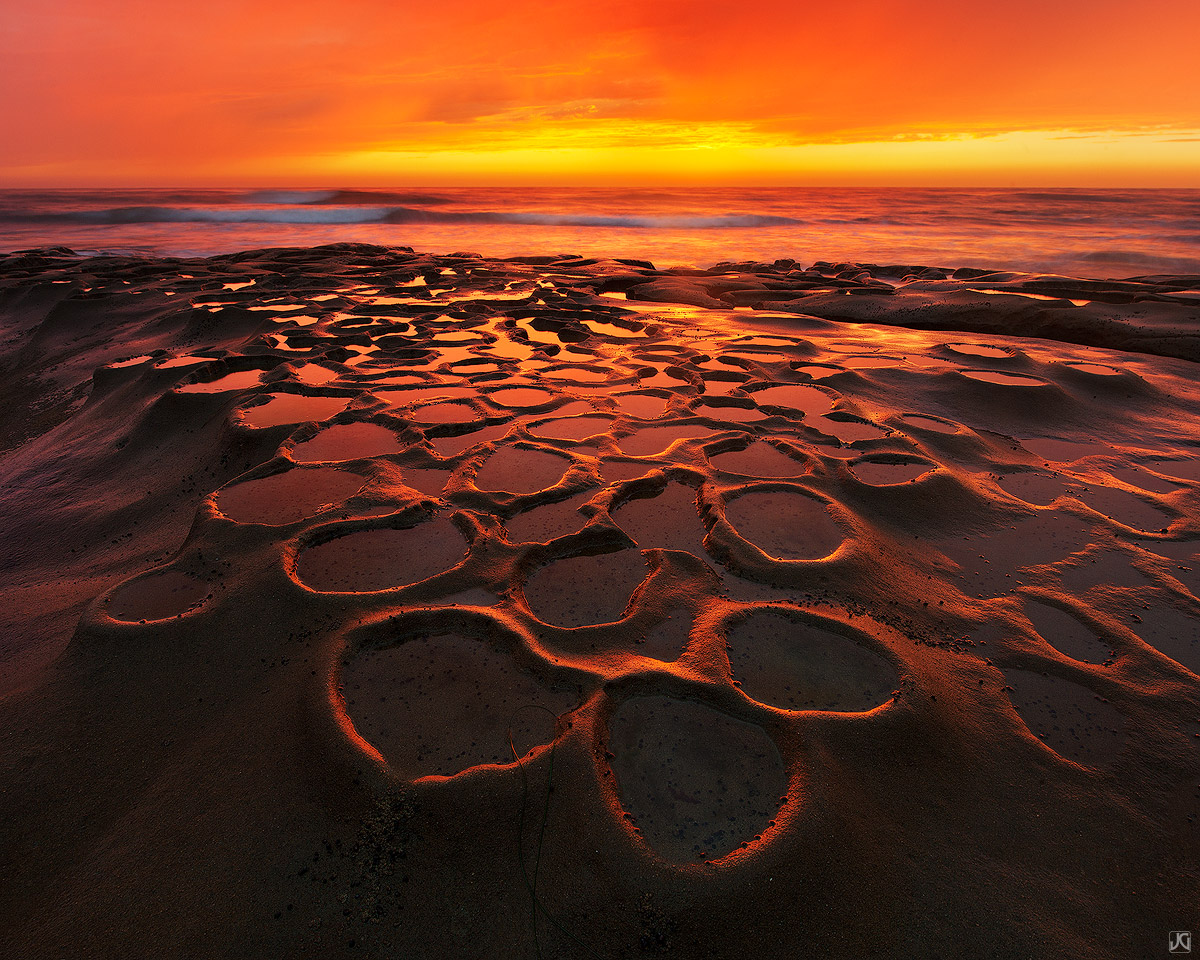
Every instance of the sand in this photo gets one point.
(358, 602)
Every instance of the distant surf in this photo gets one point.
(1104, 233)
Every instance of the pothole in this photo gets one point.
(583, 591)
(442, 704)
(785, 525)
(381, 558)
(793, 665)
(697, 782)
(289, 496)
(347, 441)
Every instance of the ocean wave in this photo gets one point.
(344, 197)
(319, 212)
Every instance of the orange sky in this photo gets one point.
(248, 92)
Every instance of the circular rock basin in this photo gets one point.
(642, 406)
(571, 428)
(314, 374)
(1064, 451)
(760, 459)
(381, 558)
(578, 374)
(697, 782)
(288, 497)
(811, 401)
(882, 473)
(521, 396)
(240, 380)
(933, 424)
(730, 414)
(1003, 379)
(1096, 369)
(1066, 634)
(515, 470)
(1036, 488)
(979, 350)
(435, 706)
(871, 362)
(653, 440)
(157, 596)
(794, 665)
(418, 395)
(583, 591)
(293, 408)
(444, 413)
(784, 524)
(1069, 719)
(347, 441)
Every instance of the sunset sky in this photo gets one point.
(379, 92)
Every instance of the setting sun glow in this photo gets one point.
(680, 91)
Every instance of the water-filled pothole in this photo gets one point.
(347, 441)
(668, 521)
(289, 496)
(1069, 719)
(883, 473)
(811, 401)
(697, 782)
(794, 665)
(571, 428)
(442, 704)
(513, 470)
(293, 408)
(652, 440)
(240, 380)
(157, 596)
(581, 591)
(381, 558)
(1066, 634)
(784, 524)
(759, 459)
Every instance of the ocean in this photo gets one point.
(1085, 233)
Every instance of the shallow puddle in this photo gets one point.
(1003, 379)
(289, 496)
(785, 525)
(979, 350)
(293, 408)
(315, 375)
(572, 428)
(514, 470)
(241, 380)
(381, 558)
(581, 591)
(347, 441)
(793, 665)
(521, 396)
(1066, 634)
(669, 521)
(811, 401)
(1069, 719)
(1064, 451)
(642, 406)
(443, 413)
(760, 459)
(697, 782)
(442, 704)
(157, 596)
(549, 522)
(654, 440)
(882, 473)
